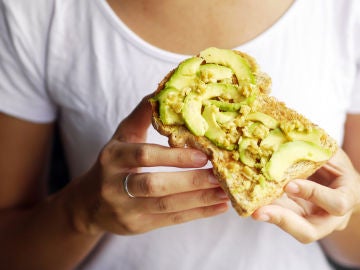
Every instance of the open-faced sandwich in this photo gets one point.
(219, 102)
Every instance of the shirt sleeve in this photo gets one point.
(23, 92)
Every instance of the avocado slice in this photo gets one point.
(223, 90)
(227, 106)
(215, 73)
(192, 109)
(313, 136)
(230, 59)
(233, 106)
(273, 140)
(185, 74)
(167, 98)
(244, 153)
(267, 120)
(214, 132)
(290, 153)
(225, 117)
(191, 114)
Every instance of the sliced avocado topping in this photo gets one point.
(230, 59)
(225, 117)
(290, 153)
(313, 136)
(192, 109)
(214, 95)
(245, 155)
(263, 118)
(168, 98)
(215, 73)
(191, 114)
(273, 140)
(227, 106)
(214, 132)
(222, 90)
(185, 74)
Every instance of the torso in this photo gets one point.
(170, 25)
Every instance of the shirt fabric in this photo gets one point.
(77, 62)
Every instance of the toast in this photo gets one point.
(219, 102)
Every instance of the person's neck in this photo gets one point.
(187, 26)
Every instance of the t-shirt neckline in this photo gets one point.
(168, 56)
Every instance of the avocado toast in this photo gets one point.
(219, 102)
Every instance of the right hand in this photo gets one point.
(162, 198)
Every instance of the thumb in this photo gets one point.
(133, 128)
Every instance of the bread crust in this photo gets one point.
(245, 194)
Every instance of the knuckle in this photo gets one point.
(106, 191)
(195, 181)
(177, 219)
(205, 197)
(146, 185)
(207, 211)
(105, 155)
(129, 225)
(141, 154)
(163, 205)
(342, 205)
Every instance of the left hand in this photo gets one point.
(312, 209)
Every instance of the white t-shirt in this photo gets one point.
(75, 61)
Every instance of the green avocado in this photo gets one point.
(192, 109)
(214, 132)
(223, 90)
(244, 153)
(313, 136)
(191, 113)
(233, 106)
(215, 73)
(166, 98)
(185, 75)
(225, 117)
(230, 59)
(227, 106)
(290, 153)
(263, 118)
(273, 140)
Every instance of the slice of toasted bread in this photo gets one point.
(252, 171)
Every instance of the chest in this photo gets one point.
(187, 27)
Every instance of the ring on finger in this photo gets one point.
(126, 188)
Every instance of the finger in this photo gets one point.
(162, 220)
(133, 128)
(334, 201)
(167, 183)
(289, 221)
(290, 203)
(133, 155)
(183, 201)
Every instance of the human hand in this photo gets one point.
(161, 198)
(312, 209)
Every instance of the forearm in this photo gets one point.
(43, 236)
(343, 246)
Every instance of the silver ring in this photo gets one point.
(126, 180)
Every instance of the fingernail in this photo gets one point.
(199, 157)
(213, 180)
(292, 188)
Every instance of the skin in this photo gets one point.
(75, 218)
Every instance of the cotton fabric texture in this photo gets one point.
(76, 62)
